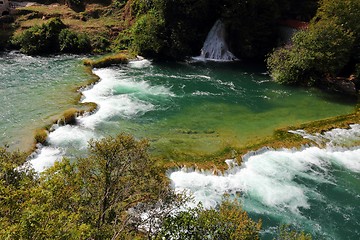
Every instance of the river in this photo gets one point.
(190, 110)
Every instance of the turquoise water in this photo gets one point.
(313, 189)
(197, 109)
(193, 109)
(32, 91)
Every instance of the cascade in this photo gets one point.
(215, 47)
(308, 188)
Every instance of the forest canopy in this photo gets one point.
(327, 49)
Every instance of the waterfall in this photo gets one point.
(215, 47)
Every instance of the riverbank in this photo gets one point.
(279, 138)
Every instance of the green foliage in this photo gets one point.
(322, 50)
(116, 177)
(123, 41)
(99, 44)
(91, 198)
(343, 12)
(147, 35)
(40, 39)
(227, 222)
(70, 42)
(51, 37)
(326, 49)
(347, 14)
(140, 7)
(251, 26)
(16, 183)
(286, 233)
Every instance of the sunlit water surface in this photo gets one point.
(32, 91)
(314, 189)
(196, 109)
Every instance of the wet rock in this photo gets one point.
(348, 86)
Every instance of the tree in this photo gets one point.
(40, 39)
(347, 14)
(16, 182)
(287, 233)
(70, 42)
(326, 49)
(147, 35)
(117, 176)
(320, 51)
(227, 222)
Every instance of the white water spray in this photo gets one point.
(285, 184)
(215, 47)
(118, 96)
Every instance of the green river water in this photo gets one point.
(195, 109)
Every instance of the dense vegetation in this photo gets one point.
(104, 195)
(327, 49)
(50, 37)
(117, 192)
(159, 28)
(180, 27)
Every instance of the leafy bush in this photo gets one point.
(287, 233)
(329, 47)
(51, 37)
(147, 35)
(70, 42)
(40, 39)
(228, 222)
(123, 41)
(322, 50)
(99, 44)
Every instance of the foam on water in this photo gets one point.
(336, 138)
(71, 136)
(282, 183)
(142, 63)
(45, 157)
(118, 95)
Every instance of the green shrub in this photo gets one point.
(71, 42)
(287, 233)
(146, 32)
(40, 39)
(123, 41)
(329, 48)
(99, 44)
(322, 50)
(230, 221)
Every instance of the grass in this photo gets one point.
(41, 136)
(69, 117)
(119, 58)
(100, 26)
